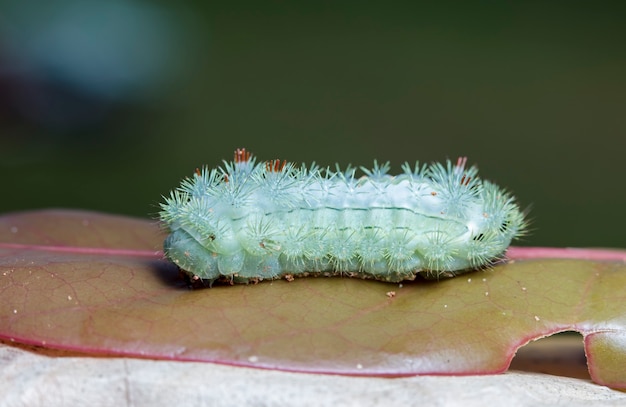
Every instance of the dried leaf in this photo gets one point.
(96, 283)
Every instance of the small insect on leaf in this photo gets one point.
(249, 221)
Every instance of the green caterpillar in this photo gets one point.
(249, 221)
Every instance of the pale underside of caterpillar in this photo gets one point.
(249, 221)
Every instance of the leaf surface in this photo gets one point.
(96, 283)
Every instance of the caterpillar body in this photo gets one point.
(248, 221)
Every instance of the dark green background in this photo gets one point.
(533, 92)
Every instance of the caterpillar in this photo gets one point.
(247, 221)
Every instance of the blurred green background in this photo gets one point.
(107, 105)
